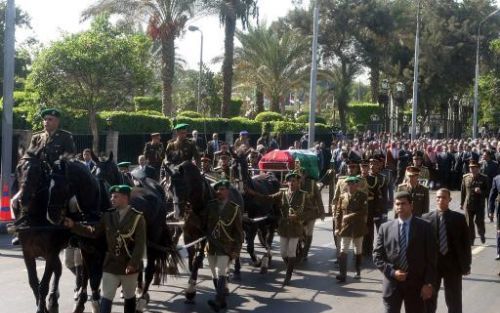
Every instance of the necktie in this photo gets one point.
(403, 261)
(443, 239)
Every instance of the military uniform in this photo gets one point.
(376, 208)
(154, 155)
(473, 203)
(424, 174)
(51, 148)
(419, 197)
(316, 211)
(178, 152)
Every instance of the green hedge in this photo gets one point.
(359, 113)
(134, 122)
(239, 123)
(304, 118)
(269, 117)
(147, 103)
(191, 114)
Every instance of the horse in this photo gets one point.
(191, 192)
(74, 192)
(162, 255)
(40, 238)
(262, 211)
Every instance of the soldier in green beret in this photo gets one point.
(125, 232)
(225, 237)
(179, 149)
(52, 142)
(154, 153)
(350, 221)
(474, 191)
(293, 205)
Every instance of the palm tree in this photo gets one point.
(229, 11)
(275, 63)
(167, 19)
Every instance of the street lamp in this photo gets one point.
(476, 79)
(197, 29)
(415, 79)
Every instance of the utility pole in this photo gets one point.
(314, 71)
(8, 91)
(415, 79)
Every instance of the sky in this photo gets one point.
(52, 18)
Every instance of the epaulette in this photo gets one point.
(135, 210)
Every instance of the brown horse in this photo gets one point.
(40, 238)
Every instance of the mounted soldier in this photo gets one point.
(154, 153)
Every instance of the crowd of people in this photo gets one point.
(367, 176)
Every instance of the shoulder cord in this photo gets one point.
(221, 225)
(121, 237)
(374, 184)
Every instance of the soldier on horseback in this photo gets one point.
(125, 232)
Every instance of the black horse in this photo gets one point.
(260, 217)
(40, 238)
(162, 256)
(74, 192)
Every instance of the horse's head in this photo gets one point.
(31, 176)
(60, 192)
(239, 169)
(185, 186)
(107, 170)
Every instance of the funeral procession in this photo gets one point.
(281, 156)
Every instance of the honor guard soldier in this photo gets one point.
(474, 191)
(318, 211)
(52, 142)
(350, 215)
(49, 144)
(293, 206)
(206, 165)
(376, 204)
(180, 149)
(225, 237)
(153, 151)
(124, 168)
(125, 231)
(419, 193)
(223, 170)
(424, 174)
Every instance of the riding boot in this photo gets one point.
(359, 259)
(289, 271)
(307, 246)
(106, 305)
(343, 268)
(220, 299)
(129, 306)
(214, 280)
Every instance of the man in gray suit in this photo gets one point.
(406, 254)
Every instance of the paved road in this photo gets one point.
(313, 286)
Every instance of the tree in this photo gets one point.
(229, 12)
(167, 19)
(274, 62)
(22, 58)
(94, 70)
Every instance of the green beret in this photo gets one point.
(52, 112)
(181, 126)
(222, 183)
(292, 174)
(123, 189)
(352, 179)
(124, 164)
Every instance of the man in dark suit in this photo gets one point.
(493, 206)
(405, 253)
(454, 252)
(214, 145)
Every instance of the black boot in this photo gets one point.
(307, 246)
(343, 268)
(289, 271)
(106, 305)
(214, 280)
(359, 259)
(129, 306)
(220, 299)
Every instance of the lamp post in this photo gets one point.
(314, 71)
(415, 79)
(383, 100)
(476, 79)
(197, 29)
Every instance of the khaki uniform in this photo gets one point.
(419, 196)
(225, 229)
(424, 173)
(126, 239)
(154, 154)
(309, 185)
(178, 152)
(473, 203)
(51, 148)
(351, 214)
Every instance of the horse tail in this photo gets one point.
(168, 259)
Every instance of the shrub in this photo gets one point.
(239, 123)
(190, 114)
(281, 127)
(134, 122)
(359, 113)
(147, 103)
(268, 117)
(304, 118)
